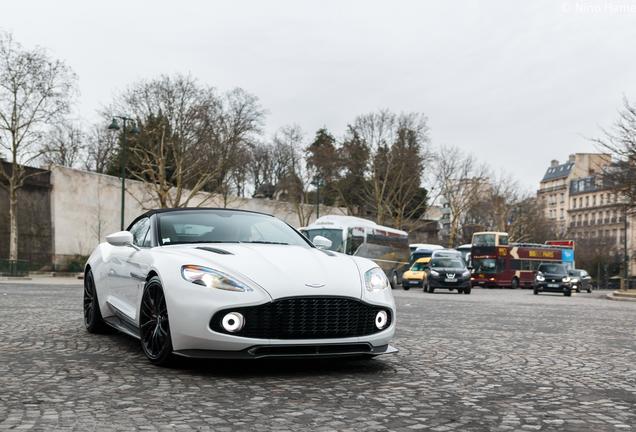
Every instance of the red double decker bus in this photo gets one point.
(497, 263)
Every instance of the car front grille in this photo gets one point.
(305, 318)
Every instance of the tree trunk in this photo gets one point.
(13, 222)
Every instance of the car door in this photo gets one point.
(136, 266)
(122, 274)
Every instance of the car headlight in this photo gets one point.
(566, 279)
(540, 278)
(466, 274)
(210, 278)
(376, 280)
(434, 273)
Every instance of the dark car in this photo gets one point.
(449, 273)
(581, 280)
(553, 278)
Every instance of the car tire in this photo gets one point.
(154, 325)
(460, 291)
(514, 284)
(405, 288)
(567, 293)
(578, 290)
(536, 291)
(394, 280)
(426, 288)
(467, 291)
(589, 290)
(93, 320)
(431, 289)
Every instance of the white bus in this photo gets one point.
(387, 247)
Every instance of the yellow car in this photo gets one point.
(416, 276)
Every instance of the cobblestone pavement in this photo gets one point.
(495, 360)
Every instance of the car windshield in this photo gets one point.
(485, 265)
(552, 268)
(446, 263)
(575, 273)
(225, 226)
(335, 235)
(419, 267)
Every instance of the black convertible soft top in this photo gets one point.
(178, 209)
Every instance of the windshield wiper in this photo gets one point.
(265, 242)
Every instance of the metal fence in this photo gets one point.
(14, 267)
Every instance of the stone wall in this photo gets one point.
(85, 207)
(35, 236)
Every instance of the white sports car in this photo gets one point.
(219, 283)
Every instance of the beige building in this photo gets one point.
(582, 208)
(554, 188)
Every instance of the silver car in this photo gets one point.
(219, 283)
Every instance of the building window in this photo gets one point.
(594, 200)
(587, 201)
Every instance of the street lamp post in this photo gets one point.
(625, 251)
(317, 181)
(114, 126)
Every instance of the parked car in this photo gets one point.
(581, 280)
(417, 275)
(449, 273)
(552, 277)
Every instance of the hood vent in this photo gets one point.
(214, 250)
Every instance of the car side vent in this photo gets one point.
(215, 250)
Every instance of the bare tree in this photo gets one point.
(191, 139)
(233, 125)
(35, 91)
(101, 148)
(65, 145)
(290, 170)
(391, 141)
(620, 142)
(460, 181)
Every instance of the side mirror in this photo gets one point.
(121, 238)
(322, 242)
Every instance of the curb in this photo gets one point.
(618, 298)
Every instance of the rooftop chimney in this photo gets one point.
(554, 163)
(571, 158)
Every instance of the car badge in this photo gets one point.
(314, 285)
(451, 275)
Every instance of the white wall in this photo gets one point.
(85, 207)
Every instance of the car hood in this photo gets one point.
(449, 270)
(409, 274)
(281, 270)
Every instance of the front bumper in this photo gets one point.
(292, 351)
(559, 287)
(191, 309)
(411, 283)
(437, 283)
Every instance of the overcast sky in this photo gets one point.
(515, 82)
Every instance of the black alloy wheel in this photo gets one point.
(93, 320)
(154, 326)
